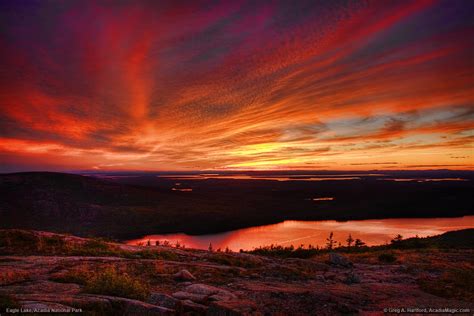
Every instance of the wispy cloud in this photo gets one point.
(236, 84)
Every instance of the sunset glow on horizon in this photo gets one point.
(236, 85)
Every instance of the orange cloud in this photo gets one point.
(236, 85)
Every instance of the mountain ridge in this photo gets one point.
(128, 208)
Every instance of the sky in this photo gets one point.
(236, 85)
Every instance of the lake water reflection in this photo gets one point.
(372, 232)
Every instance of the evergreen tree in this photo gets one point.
(330, 241)
(349, 240)
(359, 243)
(397, 239)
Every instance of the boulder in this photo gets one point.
(402, 269)
(199, 298)
(208, 290)
(47, 307)
(161, 299)
(41, 287)
(119, 305)
(135, 307)
(84, 301)
(202, 289)
(329, 276)
(346, 309)
(320, 278)
(222, 297)
(184, 275)
(339, 260)
(141, 308)
(201, 293)
(188, 307)
(352, 278)
(186, 283)
(232, 308)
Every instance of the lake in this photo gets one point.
(372, 232)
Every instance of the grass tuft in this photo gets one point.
(112, 282)
(107, 281)
(235, 261)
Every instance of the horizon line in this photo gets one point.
(228, 170)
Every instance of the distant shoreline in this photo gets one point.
(312, 233)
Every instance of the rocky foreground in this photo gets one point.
(42, 271)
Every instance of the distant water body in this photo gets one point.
(302, 177)
(372, 232)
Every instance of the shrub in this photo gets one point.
(17, 240)
(52, 245)
(148, 269)
(151, 254)
(387, 257)
(108, 281)
(285, 252)
(96, 244)
(78, 276)
(236, 261)
(95, 247)
(112, 282)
